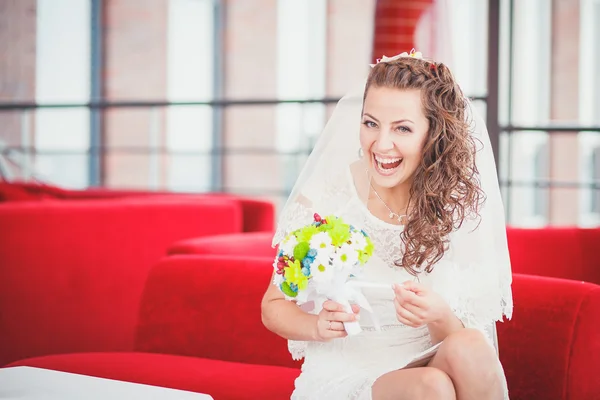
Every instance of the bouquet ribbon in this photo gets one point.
(346, 293)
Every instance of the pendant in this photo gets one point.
(391, 215)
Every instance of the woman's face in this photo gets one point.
(392, 134)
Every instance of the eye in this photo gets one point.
(403, 129)
(370, 124)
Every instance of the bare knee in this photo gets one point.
(436, 384)
(468, 352)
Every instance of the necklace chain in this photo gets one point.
(392, 214)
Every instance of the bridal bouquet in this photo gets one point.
(317, 260)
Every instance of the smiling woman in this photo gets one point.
(417, 143)
(416, 186)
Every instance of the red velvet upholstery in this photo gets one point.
(11, 192)
(205, 308)
(242, 244)
(221, 379)
(72, 273)
(258, 215)
(209, 306)
(570, 253)
(551, 347)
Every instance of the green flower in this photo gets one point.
(367, 252)
(306, 233)
(293, 274)
(301, 250)
(370, 247)
(340, 231)
(285, 288)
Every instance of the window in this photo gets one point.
(190, 75)
(540, 194)
(595, 192)
(62, 76)
(301, 51)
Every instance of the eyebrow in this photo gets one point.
(395, 122)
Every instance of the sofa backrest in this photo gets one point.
(258, 215)
(551, 348)
(570, 253)
(72, 273)
(209, 306)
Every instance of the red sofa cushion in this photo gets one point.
(210, 307)
(570, 253)
(72, 273)
(258, 215)
(242, 244)
(14, 192)
(221, 379)
(551, 347)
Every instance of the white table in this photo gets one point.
(27, 383)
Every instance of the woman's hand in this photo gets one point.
(417, 305)
(330, 322)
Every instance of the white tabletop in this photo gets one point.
(27, 383)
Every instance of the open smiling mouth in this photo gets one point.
(386, 166)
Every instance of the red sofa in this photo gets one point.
(72, 272)
(257, 215)
(569, 253)
(200, 329)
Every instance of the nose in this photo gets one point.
(385, 140)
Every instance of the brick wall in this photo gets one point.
(17, 64)
(564, 107)
(349, 43)
(135, 46)
(250, 59)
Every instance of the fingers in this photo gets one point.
(336, 326)
(414, 310)
(406, 317)
(332, 318)
(330, 305)
(341, 316)
(406, 296)
(331, 330)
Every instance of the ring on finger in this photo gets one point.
(329, 326)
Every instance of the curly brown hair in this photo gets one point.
(446, 187)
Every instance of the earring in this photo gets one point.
(360, 152)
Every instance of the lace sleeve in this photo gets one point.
(297, 349)
(296, 216)
(474, 295)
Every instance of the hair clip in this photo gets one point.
(413, 54)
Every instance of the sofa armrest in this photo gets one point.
(551, 347)
(72, 273)
(209, 306)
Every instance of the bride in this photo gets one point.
(406, 159)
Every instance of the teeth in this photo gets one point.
(387, 160)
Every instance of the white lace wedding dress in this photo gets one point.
(347, 368)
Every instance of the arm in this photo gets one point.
(443, 327)
(285, 318)
(289, 321)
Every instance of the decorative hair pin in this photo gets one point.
(413, 54)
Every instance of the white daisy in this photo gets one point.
(288, 245)
(322, 243)
(345, 256)
(277, 280)
(321, 271)
(358, 241)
